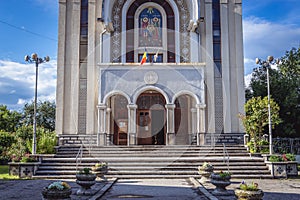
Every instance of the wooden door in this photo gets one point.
(144, 128)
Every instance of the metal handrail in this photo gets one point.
(225, 154)
(77, 156)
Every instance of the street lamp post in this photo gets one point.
(267, 63)
(35, 59)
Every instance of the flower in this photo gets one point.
(249, 187)
(102, 164)
(59, 185)
(206, 166)
(28, 158)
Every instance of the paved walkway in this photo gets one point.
(166, 189)
(274, 189)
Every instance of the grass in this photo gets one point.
(4, 173)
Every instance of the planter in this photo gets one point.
(221, 183)
(56, 194)
(248, 195)
(205, 174)
(86, 181)
(100, 172)
(282, 169)
(23, 170)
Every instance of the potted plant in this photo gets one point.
(282, 166)
(26, 166)
(205, 171)
(100, 169)
(221, 181)
(57, 190)
(248, 192)
(85, 179)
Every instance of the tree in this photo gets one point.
(284, 86)
(9, 120)
(256, 117)
(45, 116)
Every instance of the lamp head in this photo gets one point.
(26, 58)
(34, 56)
(257, 61)
(47, 58)
(270, 58)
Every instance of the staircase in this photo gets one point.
(154, 161)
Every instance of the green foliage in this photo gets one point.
(256, 118)
(17, 150)
(9, 120)
(249, 187)
(85, 171)
(46, 143)
(290, 157)
(284, 87)
(6, 140)
(224, 175)
(28, 158)
(276, 158)
(282, 158)
(4, 173)
(45, 116)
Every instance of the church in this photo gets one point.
(150, 72)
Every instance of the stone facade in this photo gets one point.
(194, 90)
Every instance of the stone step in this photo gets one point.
(149, 172)
(61, 177)
(161, 167)
(153, 161)
(141, 159)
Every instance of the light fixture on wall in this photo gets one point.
(110, 27)
(192, 26)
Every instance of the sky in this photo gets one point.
(270, 27)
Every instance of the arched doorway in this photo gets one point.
(118, 125)
(184, 131)
(151, 119)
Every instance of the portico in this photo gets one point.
(152, 105)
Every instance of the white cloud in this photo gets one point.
(17, 83)
(263, 38)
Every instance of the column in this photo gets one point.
(170, 137)
(101, 134)
(226, 67)
(200, 124)
(132, 139)
(193, 139)
(210, 81)
(109, 135)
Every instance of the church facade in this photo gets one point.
(191, 86)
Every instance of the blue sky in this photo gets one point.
(270, 28)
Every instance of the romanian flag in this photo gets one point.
(144, 58)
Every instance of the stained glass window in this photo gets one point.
(150, 28)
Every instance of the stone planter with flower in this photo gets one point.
(57, 190)
(86, 180)
(221, 181)
(248, 192)
(205, 171)
(100, 169)
(25, 168)
(282, 166)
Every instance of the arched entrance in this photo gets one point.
(151, 119)
(184, 130)
(119, 119)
